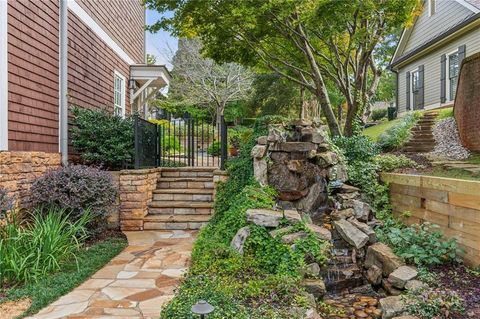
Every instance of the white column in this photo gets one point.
(3, 75)
(63, 82)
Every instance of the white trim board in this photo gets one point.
(468, 6)
(3, 75)
(97, 29)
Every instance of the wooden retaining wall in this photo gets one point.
(452, 204)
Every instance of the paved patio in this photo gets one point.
(133, 285)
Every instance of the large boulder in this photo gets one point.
(401, 276)
(391, 307)
(367, 230)
(350, 233)
(337, 172)
(264, 217)
(292, 216)
(293, 147)
(290, 185)
(316, 197)
(238, 241)
(383, 257)
(374, 275)
(327, 159)
(362, 210)
(315, 287)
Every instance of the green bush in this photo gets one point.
(264, 282)
(31, 251)
(439, 303)
(400, 133)
(356, 148)
(214, 149)
(170, 145)
(390, 162)
(422, 244)
(379, 114)
(102, 138)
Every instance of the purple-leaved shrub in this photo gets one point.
(76, 188)
(6, 202)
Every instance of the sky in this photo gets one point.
(160, 44)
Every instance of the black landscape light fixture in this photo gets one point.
(202, 308)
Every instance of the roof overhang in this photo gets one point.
(158, 75)
(432, 44)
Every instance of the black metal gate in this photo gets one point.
(185, 141)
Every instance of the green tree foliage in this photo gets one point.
(306, 41)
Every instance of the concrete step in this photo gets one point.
(185, 182)
(161, 222)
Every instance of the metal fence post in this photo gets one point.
(137, 146)
(224, 143)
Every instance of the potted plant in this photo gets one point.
(234, 142)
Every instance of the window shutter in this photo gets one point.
(407, 84)
(420, 87)
(461, 54)
(443, 80)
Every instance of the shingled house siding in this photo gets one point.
(123, 21)
(33, 75)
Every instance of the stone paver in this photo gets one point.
(135, 284)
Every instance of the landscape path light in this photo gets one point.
(202, 308)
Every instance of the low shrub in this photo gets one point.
(356, 148)
(170, 144)
(31, 251)
(76, 188)
(390, 162)
(441, 303)
(400, 133)
(422, 244)
(214, 149)
(102, 138)
(379, 114)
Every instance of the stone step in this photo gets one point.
(415, 142)
(179, 211)
(195, 191)
(185, 182)
(187, 173)
(162, 222)
(183, 197)
(417, 149)
(179, 204)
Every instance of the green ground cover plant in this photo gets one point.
(444, 113)
(438, 303)
(391, 162)
(398, 134)
(73, 272)
(264, 282)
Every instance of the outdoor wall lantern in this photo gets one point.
(131, 83)
(202, 308)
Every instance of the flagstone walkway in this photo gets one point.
(133, 285)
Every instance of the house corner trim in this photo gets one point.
(3, 75)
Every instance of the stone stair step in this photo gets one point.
(179, 204)
(183, 197)
(185, 182)
(173, 226)
(177, 218)
(194, 191)
(189, 169)
(187, 174)
(179, 211)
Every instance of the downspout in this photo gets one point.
(63, 81)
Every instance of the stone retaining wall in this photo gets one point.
(452, 204)
(18, 170)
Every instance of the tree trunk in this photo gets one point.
(220, 110)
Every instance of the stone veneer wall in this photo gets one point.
(136, 191)
(452, 204)
(18, 170)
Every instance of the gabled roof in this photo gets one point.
(400, 56)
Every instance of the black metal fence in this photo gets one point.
(185, 141)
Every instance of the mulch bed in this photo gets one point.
(466, 283)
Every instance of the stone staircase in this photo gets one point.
(183, 199)
(422, 140)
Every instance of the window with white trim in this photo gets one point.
(119, 94)
(453, 69)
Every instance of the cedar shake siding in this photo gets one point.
(33, 64)
(33, 75)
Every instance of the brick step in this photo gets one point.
(179, 211)
(179, 204)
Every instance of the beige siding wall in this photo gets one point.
(448, 14)
(431, 63)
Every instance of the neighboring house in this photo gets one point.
(106, 66)
(429, 54)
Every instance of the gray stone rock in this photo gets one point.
(260, 171)
(262, 140)
(295, 165)
(342, 214)
(300, 122)
(312, 270)
(362, 210)
(290, 185)
(414, 285)
(312, 314)
(401, 276)
(390, 289)
(276, 134)
(367, 230)
(280, 157)
(407, 317)
(391, 307)
(350, 233)
(258, 151)
(349, 189)
(293, 147)
(337, 172)
(291, 238)
(383, 257)
(316, 196)
(264, 217)
(239, 239)
(315, 287)
(279, 231)
(374, 275)
(327, 159)
(321, 232)
(292, 216)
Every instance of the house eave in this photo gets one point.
(437, 41)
